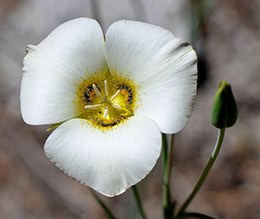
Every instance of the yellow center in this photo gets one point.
(106, 99)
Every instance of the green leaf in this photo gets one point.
(224, 108)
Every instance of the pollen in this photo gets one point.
(106, 99)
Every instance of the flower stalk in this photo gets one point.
(205, 172)
(138, 201)
(106, 210)
(166, 163)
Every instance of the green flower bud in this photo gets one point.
(224, 108)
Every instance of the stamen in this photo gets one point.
(105, 112)
(106, 88)
(94, 106)
(97, 91)
(115, 95)
(116, 106)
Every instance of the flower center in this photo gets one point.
(110, 108)
(106, 101)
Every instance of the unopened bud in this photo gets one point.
(224, 108)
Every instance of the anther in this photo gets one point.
(94, 106)
(105, 112)
(97, 91)
(115, 95)
(117, 106)
(106, 89)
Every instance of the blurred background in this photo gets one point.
(226, 37)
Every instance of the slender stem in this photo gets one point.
(171, 154)
(205, 172)
(138, 201)
(166, 163)
(103, 206)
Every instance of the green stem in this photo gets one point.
(103, 206)
(166, 163)
(138, 201)
(205, 172)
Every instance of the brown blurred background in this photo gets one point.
(226, 35)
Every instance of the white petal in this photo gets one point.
(53, 68)
(108, 161)
(164, 67)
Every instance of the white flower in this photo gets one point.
(113, 98)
